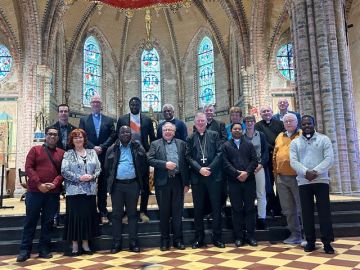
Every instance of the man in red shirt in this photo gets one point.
(43, 167)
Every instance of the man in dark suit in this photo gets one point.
(99, 129)
(63, 126)
(181, 129)
(240, 162)
(203, 153)
(142, 131)
(283, 105)
(213, 124)
(167, 156)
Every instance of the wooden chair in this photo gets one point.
(23, 182)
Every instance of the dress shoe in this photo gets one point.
(45, 254)
(252, 242)
(239, 242)
(197, 244)
(309, 247)
(23, 256)
(104, 220)
(179, 245)
(328, 249)
(218, 243)
(134, 247)
(115, 248)
(165, 245)
(144, 218)
(261, 224)
(74, 253)
(87, 252)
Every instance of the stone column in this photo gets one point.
(324, 83)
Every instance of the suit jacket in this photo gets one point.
(146, 129)
(112, 159)
(157, 158)
(213, 154)
(218, 127)
(70, 128)
(106, 134)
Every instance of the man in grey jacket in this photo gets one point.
(311, 156)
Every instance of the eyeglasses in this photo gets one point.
(52, 134)
(168, 129)
(289, 121)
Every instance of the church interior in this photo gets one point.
(190, 53)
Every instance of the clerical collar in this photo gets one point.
(308, 136)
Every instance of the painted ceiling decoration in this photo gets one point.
(137, 4)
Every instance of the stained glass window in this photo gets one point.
(285, 61)
(206, 72)
(150, 81)
(92, 70)
(5, 61)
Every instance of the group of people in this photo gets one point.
(243, 159)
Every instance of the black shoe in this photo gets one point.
(23, 256)
(197, 244)
(87, 252)
(115, 248)
(239, 242)
(261, 224)
(218, 243)
(165, 245)
(328, 249)
(252, 242)
(309, 247)
(73, 254)
(45, 255)
(179, 245)
(134, 247)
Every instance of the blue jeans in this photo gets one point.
(36, 203)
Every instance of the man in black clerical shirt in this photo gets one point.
(240, 162)
(203, 153)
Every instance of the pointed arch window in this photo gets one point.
(6, 61)
(150, 81)
(206, 72)
(285, 61)
(92, 72)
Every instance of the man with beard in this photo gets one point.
(311, 156)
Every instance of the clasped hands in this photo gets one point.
(311, 175)
(86, 178)
(243, 175)
(46, 187)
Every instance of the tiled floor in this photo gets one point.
(263, 257)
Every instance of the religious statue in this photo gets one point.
(148, 23)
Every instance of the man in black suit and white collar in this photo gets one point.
(203, 153)
(100, 130)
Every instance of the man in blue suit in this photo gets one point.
(100, 133)
(283, 105)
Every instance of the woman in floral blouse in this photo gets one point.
(80, 169)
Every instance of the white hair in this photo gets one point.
(168, 123)
(290, 115)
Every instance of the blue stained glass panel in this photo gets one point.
(6, 61)
(92, 73)
(150, 81)
(206, 72)
(285, 62)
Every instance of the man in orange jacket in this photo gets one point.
(286, 184)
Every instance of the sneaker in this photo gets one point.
(293, 240)
(125, 219)
(144, 218)
(303, 243)
(328, 249)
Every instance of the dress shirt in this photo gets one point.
(125, 168)
(172, 155)
(97, 123)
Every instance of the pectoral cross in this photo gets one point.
(203, 159)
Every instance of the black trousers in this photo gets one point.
(170, 200)
(198, 193)
(273, 200)
(242, 197)
(321, 193)
(102, 194)
(144, 198)
(124, 195)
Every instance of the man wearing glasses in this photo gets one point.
(43, 164)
